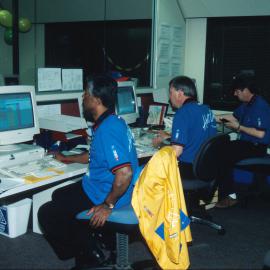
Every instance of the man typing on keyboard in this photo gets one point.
(107, 184)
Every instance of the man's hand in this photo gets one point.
(161, 136)
(59, 156)
(79, 158)
(233, 125)
(100, 215)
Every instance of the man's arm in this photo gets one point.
(178, 149)
(228, 117)
(248, 130)
(79, 158)
(235, 125)
(120, 185)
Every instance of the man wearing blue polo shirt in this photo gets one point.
(107, 184)
(252, 122)
(193, 123)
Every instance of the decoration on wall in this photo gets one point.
(8, 35)
(24, 24)
(5, 18)
(127, 69)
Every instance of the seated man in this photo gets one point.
(107, 184)
(251, 120)
(193, 123)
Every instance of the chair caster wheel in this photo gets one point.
(221, 231)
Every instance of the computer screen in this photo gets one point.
(126, 102)
(18, 115)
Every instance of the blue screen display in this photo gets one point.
(16, 111)
(125, 100)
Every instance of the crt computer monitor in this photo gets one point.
(18, 116)
(126, 102)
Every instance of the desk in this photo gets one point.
(143, 142)
(72, 173)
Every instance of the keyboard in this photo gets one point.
(143, 143)
(38, 168)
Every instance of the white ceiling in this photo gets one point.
(224, 8)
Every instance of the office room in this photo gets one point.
(149, 42)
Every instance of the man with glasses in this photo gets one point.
(252, 122)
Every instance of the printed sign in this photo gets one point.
(4, 220)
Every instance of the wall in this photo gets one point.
(91, 10)
(5, 50)
(31, 44)
(196, 13)
(166, 13)
(195, 52)
(224, 8)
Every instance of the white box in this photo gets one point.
(14, 218)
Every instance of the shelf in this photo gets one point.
(59, 95)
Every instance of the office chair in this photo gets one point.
(206, 167)
(126, 222)
(251, 176)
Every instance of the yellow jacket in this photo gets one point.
(159, 204)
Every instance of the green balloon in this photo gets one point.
(8, 36)
(24, 25)
(5, 18)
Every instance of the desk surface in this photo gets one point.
(71, 170)
(144, 150)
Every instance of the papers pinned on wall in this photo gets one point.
(72, 79)
(52, 79)
(49, 79)
(161, 95)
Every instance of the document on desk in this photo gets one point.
(9, 183)
(42, 175)
(35, 171)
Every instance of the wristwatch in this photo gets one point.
(109, 205)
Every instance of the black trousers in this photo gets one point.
(68, 236)
(57, 218)
(186, 170)
(237, 150)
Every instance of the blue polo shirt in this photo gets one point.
(193, 123)
(112, 148)
(256, 114)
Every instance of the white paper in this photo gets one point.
(164, 50)
(165, 31)
(49, 79)
(175, 69)
(161, 95)
(72, 79)
(139, 101)
(177, 34)
(177, 50)
(154, 115)
(163, 69)
(48, 110)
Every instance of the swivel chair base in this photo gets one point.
(197, 220)
(122, 258)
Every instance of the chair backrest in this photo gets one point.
(210, 157)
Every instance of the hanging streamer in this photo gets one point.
(127, 69)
